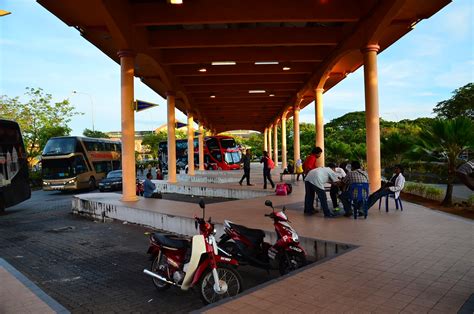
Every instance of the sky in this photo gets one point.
(418, 71)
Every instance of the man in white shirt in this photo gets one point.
(314, 184)
(394, 186)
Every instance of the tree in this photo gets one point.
(394, 146)
(461, 104)
(96, 134)
(444, 141)
(152, 140)
(39, 118)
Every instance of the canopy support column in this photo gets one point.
(265, 143)
(201, 147)
(372, 122)
(318, 103)
(190, 145)
(275, 143)
(170, 99)
(296, 133)
(127, 65)
(270, 141)
(283, 141)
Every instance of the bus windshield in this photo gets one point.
(63, 168)
(60, 146)
(232, 157)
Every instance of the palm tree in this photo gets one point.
(445, 140)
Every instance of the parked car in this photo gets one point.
(112, 182)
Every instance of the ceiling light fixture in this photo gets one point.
(271, 95)
(176, 1)
(223, 63)
(202, 70)
(265, 62)
(212, 96)
(286, 68)
(257, 91)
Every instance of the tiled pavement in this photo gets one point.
(415, 261)
(20, 295)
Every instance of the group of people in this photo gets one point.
(268, 165)
(340, 179)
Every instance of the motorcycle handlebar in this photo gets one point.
(269, 215)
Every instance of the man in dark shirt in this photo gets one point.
(246, 163)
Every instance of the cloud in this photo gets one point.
(458, 21)
(456, 76)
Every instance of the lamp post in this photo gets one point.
(92, 105)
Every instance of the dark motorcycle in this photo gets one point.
(248, 247)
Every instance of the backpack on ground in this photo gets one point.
(281, 189)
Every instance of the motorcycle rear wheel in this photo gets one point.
(290, 261)
(228, 277)
(160, 267)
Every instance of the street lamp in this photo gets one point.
(92, 105)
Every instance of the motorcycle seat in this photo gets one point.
(170, 240)
(255, 235)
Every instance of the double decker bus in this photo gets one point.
(14, 183)
(220, 153)
(74, 163)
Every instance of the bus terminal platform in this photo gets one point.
(415, 261)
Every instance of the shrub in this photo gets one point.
(433, 193)
(470, 200)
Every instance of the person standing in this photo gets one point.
(246, 162)
(299, 169)
(314, 184)
(267, 168)
(310, 162)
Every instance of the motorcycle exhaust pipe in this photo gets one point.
(152, 274)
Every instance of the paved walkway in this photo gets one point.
(415, 261)
(19, 295)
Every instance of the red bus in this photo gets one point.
(220, 153)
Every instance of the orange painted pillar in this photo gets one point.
(170, 99)
(265, 142)
(275, 143)
(190, 144)
(296, 133)
(127, 65)
(270, 141)
(201, 147)
(284, 162)
(372, 115)
(318, 104)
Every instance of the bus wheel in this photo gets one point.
(92, 184)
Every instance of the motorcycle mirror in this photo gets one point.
(195, 224)
(284, 208)
(202, 204)
(209, 219)
(268, 203)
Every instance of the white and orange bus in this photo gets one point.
(74, 163)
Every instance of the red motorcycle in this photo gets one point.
(186, 264)
(248, 247)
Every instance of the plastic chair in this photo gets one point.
(359, 194)
(398, 202)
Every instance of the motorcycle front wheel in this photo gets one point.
(229, 281)
(290, 261)
(160, 266)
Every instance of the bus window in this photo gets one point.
(228, 143)
(212, 143)
(102, 166)
(79, 165)
(60, 146)
(216, 155)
